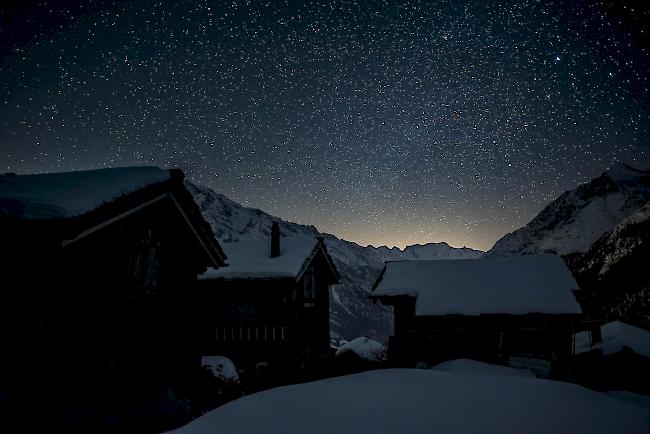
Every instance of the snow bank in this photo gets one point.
(424, 401)
(514, 285)
(250, 259)
(69, 194)
(365, 348)
(616, 336)
(642, 401)
(468, 366)
(222, 367)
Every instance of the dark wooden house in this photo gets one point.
(268, 309)
(519, 311)
(97, 318)
(614, 357)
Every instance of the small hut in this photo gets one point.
(518, 310)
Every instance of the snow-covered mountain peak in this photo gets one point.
(576, 219)
(624, 173)
(426, 251)
(231, 221)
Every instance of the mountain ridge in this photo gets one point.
(578, 217)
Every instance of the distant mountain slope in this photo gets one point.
(613, 272)
(576, 219)
(428, 251)
(352, 313)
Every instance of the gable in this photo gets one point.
(320, 257)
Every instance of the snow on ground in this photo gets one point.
(222, 367)
(69, 194)
(616, 336)
(468, 366)
(252, 258)
(365, 348)
(515, 285)
(642, 401)
(424, 401)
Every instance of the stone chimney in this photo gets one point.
(275, 240)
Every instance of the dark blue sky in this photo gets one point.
(381, 122)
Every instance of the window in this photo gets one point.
(309, 286)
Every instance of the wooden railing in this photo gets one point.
(252, 333)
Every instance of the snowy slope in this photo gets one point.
(424, 401)
(352, 313)
(575, 220)
(613, 272)
(627, 237)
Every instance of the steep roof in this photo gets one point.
(616, 336)
(251, 259)
(70, 194)
(504, 285)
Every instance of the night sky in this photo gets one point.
(380, 122)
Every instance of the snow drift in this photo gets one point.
(424, 401)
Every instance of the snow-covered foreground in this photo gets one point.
(424, 401)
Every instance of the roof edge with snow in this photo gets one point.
(515, 285)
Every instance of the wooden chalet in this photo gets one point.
(518, 310)
(268, 309)
(97, 303)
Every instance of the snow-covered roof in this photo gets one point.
(251, 259)
(423, 401)
(502, 285)
(69, 194)
(616, 336)
(365, 348)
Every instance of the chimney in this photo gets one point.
(275, 240)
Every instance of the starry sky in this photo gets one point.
(382, 122)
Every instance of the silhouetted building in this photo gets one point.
(97, 303)
(518, 310)
(268, 310)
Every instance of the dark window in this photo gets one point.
(309, 283)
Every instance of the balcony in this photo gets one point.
(252, 333)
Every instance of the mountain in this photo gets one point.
(352, 313)
(612, 273)
(427, 251)
(576, 219)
